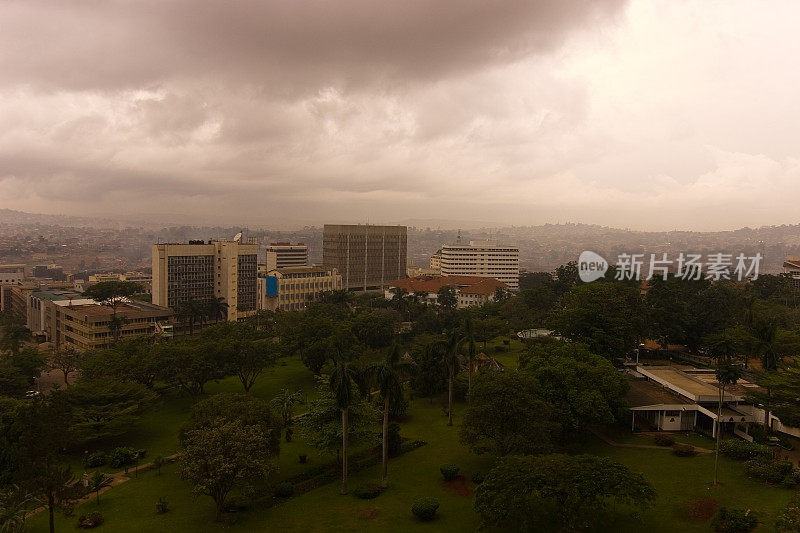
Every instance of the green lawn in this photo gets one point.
(131, 506)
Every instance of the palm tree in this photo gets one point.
(765, 332)
(115, 325)
(388, 376)
(15, 504)
(284, 402)
(727, 373)
(190, 311)
(469, 337)
(216, 309)
(448, 352)
(98, 482)
(342, 383)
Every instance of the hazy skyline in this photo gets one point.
(652, 115)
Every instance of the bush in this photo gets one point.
(478, 477)
(367, 492)
(237, 503)
(500, 348)
(789, 519)
(449, 472)
(734, 521)
(684, 450)
(284, 490)
(773, 471)
(162, 506)
(664, 439)
(90, 521)
(121, 457)
(425, 508)
(94, 460)
(743, 450)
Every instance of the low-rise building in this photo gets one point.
(12, 274)
(470, 290)
(293, 288)
(791, 267)
(145, 281)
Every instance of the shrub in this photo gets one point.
(425, 508)
(367, 492)
(94, 460)
(789, 519)
(499, 348)
(734, 521)
(237, 503)
(284, 490)
(506, 342)
(162, 506)
(478, 477)
(449, 472)
(664, 439)
(684, 450)
(743, 450)
(90, 521)
(121, 457)
(773, 471)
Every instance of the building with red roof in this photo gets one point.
(470, 290)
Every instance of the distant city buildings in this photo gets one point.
(203, 271)
(367, 257)
(293, 288)
(54, 272)
(145, 281)
(470, 290)
(479, 258)
(284, 254)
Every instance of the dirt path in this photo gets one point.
(611, 442)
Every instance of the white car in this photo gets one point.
(32, 394)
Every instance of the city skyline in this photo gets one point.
(643, 114)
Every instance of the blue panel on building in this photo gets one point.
(272, 286)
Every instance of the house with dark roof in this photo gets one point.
(470, 290)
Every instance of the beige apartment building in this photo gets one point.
(367, 257)
(205, 270)
(480, 258)
(284, 254)
(293, 288)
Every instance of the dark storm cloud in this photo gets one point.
(285, 46)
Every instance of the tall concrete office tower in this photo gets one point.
(202, 271)
(367, 257)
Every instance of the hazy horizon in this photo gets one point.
(648, 115)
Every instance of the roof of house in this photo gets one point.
(432, 283)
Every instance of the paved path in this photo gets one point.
(611, 442)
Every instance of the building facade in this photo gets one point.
(367, 257)
(12, 274)
(203, 271)
(293, 288)
(480, 258)
(284, 254)
(470, 290)
(791, 267)
(145, 281)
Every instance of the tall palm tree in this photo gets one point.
(342, 383)
(189, 312)
(469, 338)
(448, 352)
(216, 309)
(388, 376)
(727, 373)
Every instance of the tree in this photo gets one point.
(446, 298)
(189, 364)
(322, 427)
(429, 380)
(97, 482)
(228, 440)
(727, 373)
(223, 456)
(342, 384)
(522, 493)
(216, 309)
(112, 294)
(507, 416)
(115, 325)
(19, 370)
(190, 312)
(104, 408)
(388, 376)
(15, 504)
(582, 388)
(781, 390)
(284, 404)
(447, 349)
(68, 361)
(486, 329)
(34, 436)
(606, 316)
(133, 359)
(469, 338)
(373, 328)
(14, 335)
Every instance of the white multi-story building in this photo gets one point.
(481, 258)
(284, 254)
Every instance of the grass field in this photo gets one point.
(130, 507)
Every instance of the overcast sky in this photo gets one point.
(641, 114)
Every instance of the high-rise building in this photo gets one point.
(203, 271)
(367, 257)
(481, 258)
(284, 254)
